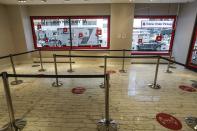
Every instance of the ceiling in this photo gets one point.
(35, 2)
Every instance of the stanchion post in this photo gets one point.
(168, 67)
(14, 124)
(41, 62)
(16, 81)
(155, 85)
(107, 124)
(57, 83)
(102, 85)
(123, 62)
(70, 62)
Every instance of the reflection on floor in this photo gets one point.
(132, 103)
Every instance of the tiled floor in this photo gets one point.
(132, 103)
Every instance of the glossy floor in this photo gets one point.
(133, 105)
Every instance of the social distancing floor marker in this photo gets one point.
(187, 88)
(78, 90)
(168, 121)
(111, 72)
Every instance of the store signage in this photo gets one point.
(187, 88)
(78, 90)
(168, 121)
(156, 24)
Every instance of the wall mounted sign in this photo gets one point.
(168, 121)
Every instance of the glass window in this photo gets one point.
(153, 34)
(86, 32)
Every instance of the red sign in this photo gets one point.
(39, 26)
(111, 72)
(168, 121)
(78, 90)
(159, 38)
(65, 30)
(80, 35)
(139, 41)
(98, 31)
(187, 88)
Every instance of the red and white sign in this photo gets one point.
(156, 24)
(78, 90)
(39, 26)
(168, 121)
(80, 35)
(98, 31)
(65, 30)
(187, 88)
(159, 38)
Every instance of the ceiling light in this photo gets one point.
(43, 0)
(67, 0)
(22, 1)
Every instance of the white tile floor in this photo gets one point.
(132, 103)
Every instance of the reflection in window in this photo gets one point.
(152, 34)
(194, 50)
(90, 32)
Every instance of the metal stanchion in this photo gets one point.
(14, 124)
(191, 122)
(155, 85)
(107, 124)
(70, 61)
(102, 85)
(123, 63)
(57, 83)
(41, 63)
(16, 81)
(168, 67)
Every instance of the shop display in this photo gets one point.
(153, 33)
(85, 32)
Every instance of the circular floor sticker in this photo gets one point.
(78, 90)
(187, 88)
(168, 121)
(111, 71)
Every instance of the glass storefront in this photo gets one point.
(153, 34)
(193, 51)
(63, 32)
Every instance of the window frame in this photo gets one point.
(167, 52)
(32, 18)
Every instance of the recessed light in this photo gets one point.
(67, 0)
(43, 0)
(22, 1)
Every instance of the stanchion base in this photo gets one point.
(70, 70)
(172, 67)
(102, 85)
(16, 82)
(19, 124)
(192, 122)
(168, 71)
(157, 86)
(59, 84)
(41, 70)
(103, 126)
(122, 71)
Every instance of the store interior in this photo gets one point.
(54, 55)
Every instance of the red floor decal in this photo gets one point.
(111, 71)
(78, 90)
(169, 121)
(187, 88)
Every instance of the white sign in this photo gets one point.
(157, 24)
